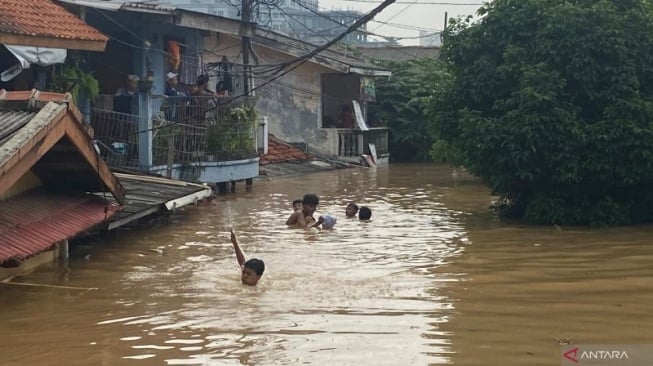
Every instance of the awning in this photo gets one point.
(34, 222)
(28, 55)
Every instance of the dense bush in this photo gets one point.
(401, 106)
(551, 105)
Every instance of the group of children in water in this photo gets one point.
(302, 217)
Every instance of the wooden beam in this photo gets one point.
(53, 42)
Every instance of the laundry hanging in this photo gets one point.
(28, 55)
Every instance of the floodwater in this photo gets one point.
(433, 279)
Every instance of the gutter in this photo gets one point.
(191, 198)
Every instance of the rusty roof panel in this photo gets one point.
(32, 223)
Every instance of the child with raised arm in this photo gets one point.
(252, 269)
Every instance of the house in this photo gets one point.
(53, 183)
(306, 105)
(199, 139)
(38, 33)
(214, 139)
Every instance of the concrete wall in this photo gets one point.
(293, 103)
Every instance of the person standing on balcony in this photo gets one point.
(125, 100)
(202, 87)
(131, 87)
(171, 88)
(175, 98)
(202, 101)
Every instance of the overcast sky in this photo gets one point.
(406, 16)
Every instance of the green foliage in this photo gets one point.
(71, 78)
(232, 136)
(551, 105)
(403, 104)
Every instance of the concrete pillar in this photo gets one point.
(262, 136)
(145, 130)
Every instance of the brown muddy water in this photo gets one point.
(432, 279)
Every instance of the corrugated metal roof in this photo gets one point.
(12, 121)
(30, 224)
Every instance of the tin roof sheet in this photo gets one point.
(12, 121)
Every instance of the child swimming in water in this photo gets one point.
(351, 210)
(252, 269)
(304, 217)
(296, 205)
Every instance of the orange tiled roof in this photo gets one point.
(44, 18)
(280, 152)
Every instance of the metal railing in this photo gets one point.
(185, 130)
(117, 136)
(356, 142)
(220, 128)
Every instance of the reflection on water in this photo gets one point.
(432, 279)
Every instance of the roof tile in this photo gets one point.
(44, 18)
(279, 152)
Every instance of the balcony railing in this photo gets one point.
(357, 142)
(117, 136)
(185, 130)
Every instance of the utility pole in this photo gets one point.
(245, 16)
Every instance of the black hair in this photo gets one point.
(202, 79)
(296, 201)
(364, 213)
(355, 206)
(255, 265)
(311, 199)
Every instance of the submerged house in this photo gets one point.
(53, 183)
(36, 34)
(196, 138)
(321, 104)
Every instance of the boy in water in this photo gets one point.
(351, 210)
(304, 217)
(364, 213)
(296, 205)
(252, 269)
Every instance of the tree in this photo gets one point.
(401, 105)
(552, 105)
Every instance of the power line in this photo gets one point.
(298, 61)
(399, 12)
